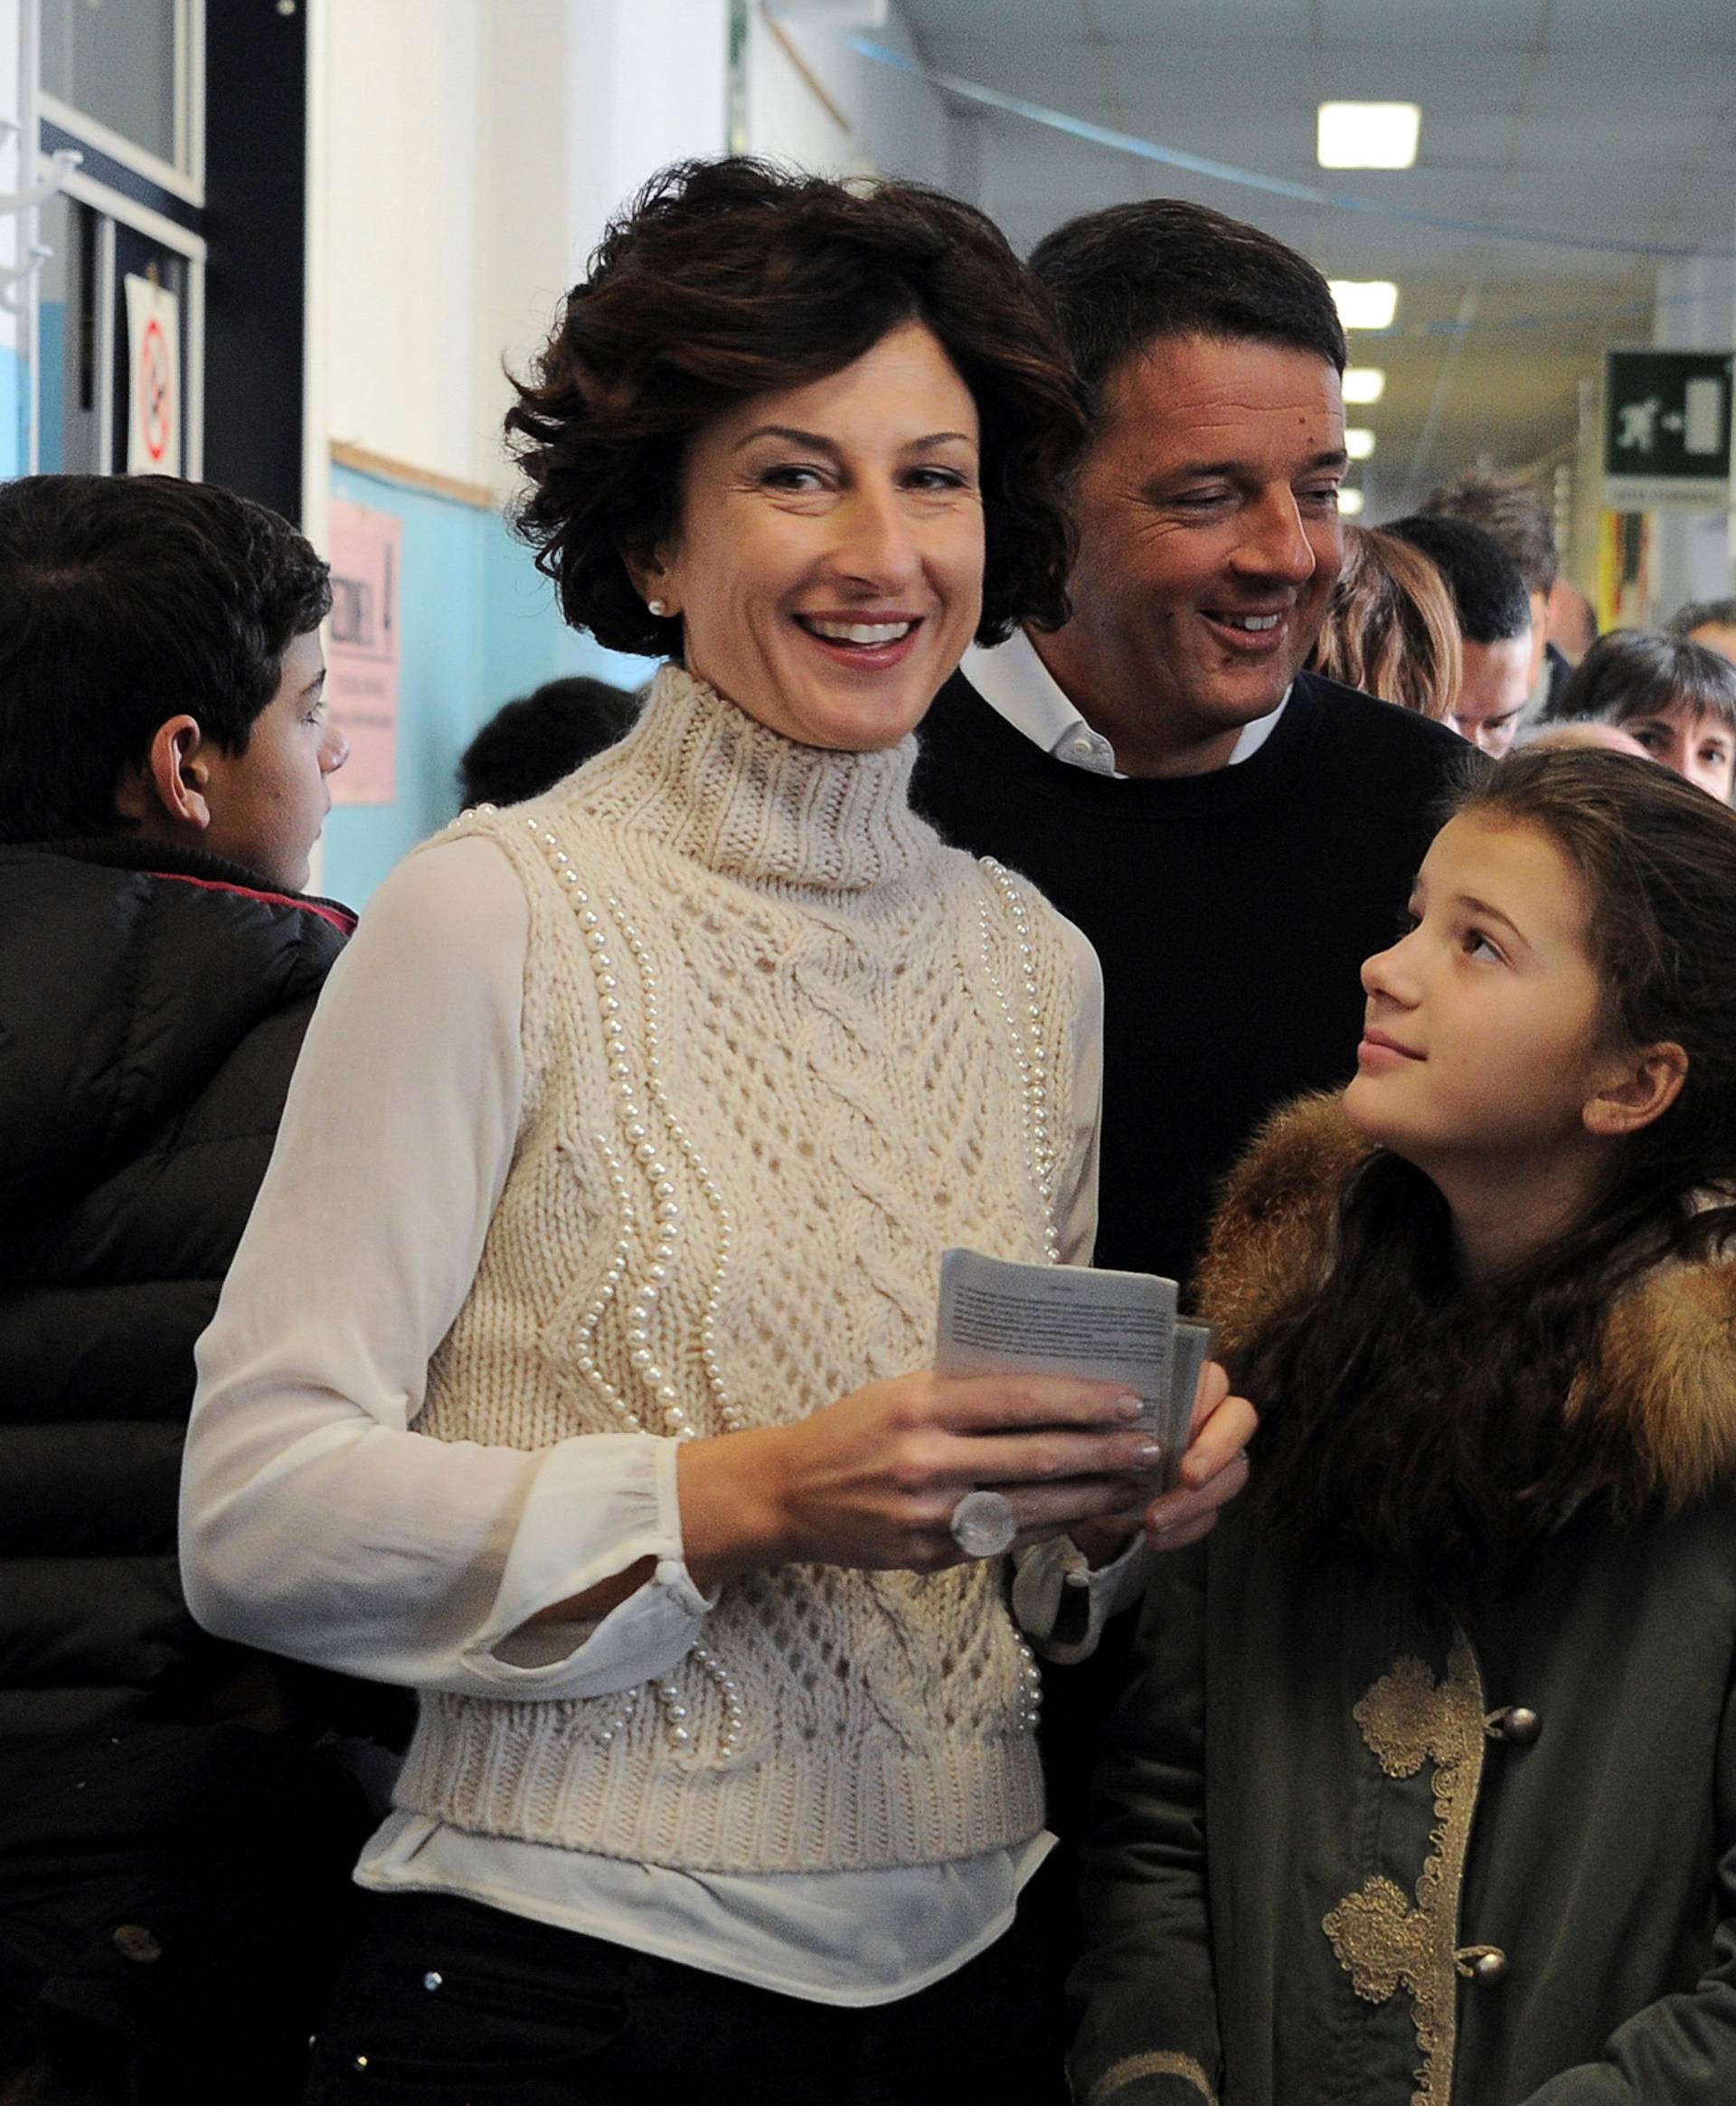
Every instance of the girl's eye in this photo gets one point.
(1478, 945)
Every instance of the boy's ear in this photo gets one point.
(1642, 1089)
(167, 795)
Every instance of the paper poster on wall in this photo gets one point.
(153, 379)
(362, 649)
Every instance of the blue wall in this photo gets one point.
(50, 359)
(15, 441)
(478, 626)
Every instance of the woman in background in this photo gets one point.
(1389, 628)
(1675, 697)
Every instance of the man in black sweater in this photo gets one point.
(1234, 835)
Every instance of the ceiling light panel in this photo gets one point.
(1368, 135)
(1364, 303)
(1365, 383)
(1350, 504)
(1359, 441)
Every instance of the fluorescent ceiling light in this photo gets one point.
(1350, 504)
(1368, 135)
(1364, 383)
(1364, 303)
(1359, 441)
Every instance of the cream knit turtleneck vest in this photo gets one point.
(781, 1047)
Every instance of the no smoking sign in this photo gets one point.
(154, 364)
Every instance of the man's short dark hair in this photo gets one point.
(527, 746)
(1509, 508)
(1702, 614)
(1488, 588)
(124, 602)
(1128, 277)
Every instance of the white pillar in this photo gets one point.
(16, 175)
(647, 83)
(1690, 551)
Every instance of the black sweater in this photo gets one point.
(1231, 912)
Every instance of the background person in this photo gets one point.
(1429, 1789)
(1573, 625)
(1675, 697)
(1584, 733)
(566, 1371)
(164, 770)
(529, 744)
(1389, 628)
(1711, 622)
(1509, 508)
(1493, 610)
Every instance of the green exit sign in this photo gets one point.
(1666, 430)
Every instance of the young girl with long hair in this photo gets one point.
(1427, 1791)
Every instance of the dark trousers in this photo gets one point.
(151, 1954)
(448, 2002)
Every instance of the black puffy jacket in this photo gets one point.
(152, 1004)
(173, 1885)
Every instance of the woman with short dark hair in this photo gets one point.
(566, 1375)
(1677, 698)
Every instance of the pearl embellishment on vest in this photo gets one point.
(1028, 1050)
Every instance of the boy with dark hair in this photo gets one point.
(1494, 609)
(164, 765)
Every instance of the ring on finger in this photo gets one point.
(984, 1523)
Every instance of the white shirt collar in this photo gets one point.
(1018, 686)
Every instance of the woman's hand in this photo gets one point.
(870, 1481)
(1213, 1471)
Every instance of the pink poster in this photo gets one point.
(362, 649)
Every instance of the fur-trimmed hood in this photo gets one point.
(1668, 1346)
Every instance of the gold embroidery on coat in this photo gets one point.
(1382, 1940)
(1162, 2063)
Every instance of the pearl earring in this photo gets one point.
(656, 607)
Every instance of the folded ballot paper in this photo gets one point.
(997, 1318)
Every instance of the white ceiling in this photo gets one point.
(1609, 118)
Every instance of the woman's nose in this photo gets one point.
(334, 750)
(875, 541)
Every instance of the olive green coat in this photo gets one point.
(1348, 1852)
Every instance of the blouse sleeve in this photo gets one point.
(313, 1522)
(1076, 1189)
